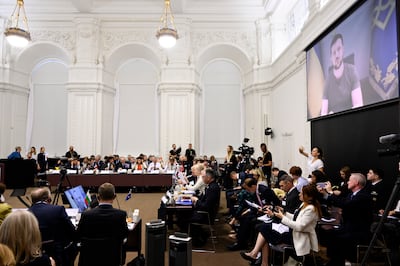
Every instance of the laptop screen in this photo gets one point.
(76, 197)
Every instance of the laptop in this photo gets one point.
(76, 198)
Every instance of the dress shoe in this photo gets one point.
(246, 257)
(235, 247)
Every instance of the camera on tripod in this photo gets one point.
(245, 150)
(393, 140)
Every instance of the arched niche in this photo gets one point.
(28, 58)
(125, 52)
(136, 72)
(226, 51)
(222, 69)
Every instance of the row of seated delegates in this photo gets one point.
(264, 196)
(255, 190)
(357, 216)
(206, 202)
(300, 227)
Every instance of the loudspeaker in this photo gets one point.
(180, 250)
(156, 237)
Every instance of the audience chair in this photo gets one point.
(101, 251)
(380, 245)
(210, 229)
(287, 250)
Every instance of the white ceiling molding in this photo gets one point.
(84, 6)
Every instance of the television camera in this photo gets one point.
(246, 151)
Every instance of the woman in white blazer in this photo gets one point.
(301, 225)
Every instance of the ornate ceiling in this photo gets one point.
(193, 9)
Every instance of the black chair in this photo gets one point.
(100, 251)
(210, 229)
(289, 250)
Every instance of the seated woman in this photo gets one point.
(20, 232)
(302, 228)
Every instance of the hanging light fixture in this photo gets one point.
(15, 35)
(167, 34)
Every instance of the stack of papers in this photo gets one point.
(265, 218)
(280, 228)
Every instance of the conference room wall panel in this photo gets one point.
(136, 118)
(222, 108)
(47, 115)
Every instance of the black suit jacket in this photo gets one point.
(208, 202)
(292, 201)
(101, 232)
(57, 230)
(356, 212)
(54, 222)
(380, 195)
(41, 160)
(268, 196)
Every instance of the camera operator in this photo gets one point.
(266, 162)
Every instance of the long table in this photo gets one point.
(118, 180)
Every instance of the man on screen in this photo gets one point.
(342, 90)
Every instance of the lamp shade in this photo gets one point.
(167, 37)
(17, 37)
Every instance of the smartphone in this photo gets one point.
(321, 184)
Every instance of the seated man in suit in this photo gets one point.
(55, 227)
(102, 231)
(207, 202)
(357, 219)
(291, 201)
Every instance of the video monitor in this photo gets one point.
(354, 63)
(76, 198)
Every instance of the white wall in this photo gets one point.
(49, 110)
(137, 109)
(222, 108)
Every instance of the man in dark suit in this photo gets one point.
(291, 201)
(102, 231)
(190, 153)
(357, 219)
(55, 227)
(42, 160)
(207, 202)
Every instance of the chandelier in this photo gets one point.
(167, 33)
(15, 35)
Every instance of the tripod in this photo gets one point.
(381, 221)
(63, 176)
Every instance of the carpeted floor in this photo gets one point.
(148, 203)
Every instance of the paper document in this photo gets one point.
(280, 228)
(252, 204)
(265, 218)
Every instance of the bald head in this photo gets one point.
(41, 194)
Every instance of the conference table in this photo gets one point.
(117, 179)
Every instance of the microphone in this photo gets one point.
(391, 139)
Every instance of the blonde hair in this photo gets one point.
(260, 173)
(20, 232)
(6, 256)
